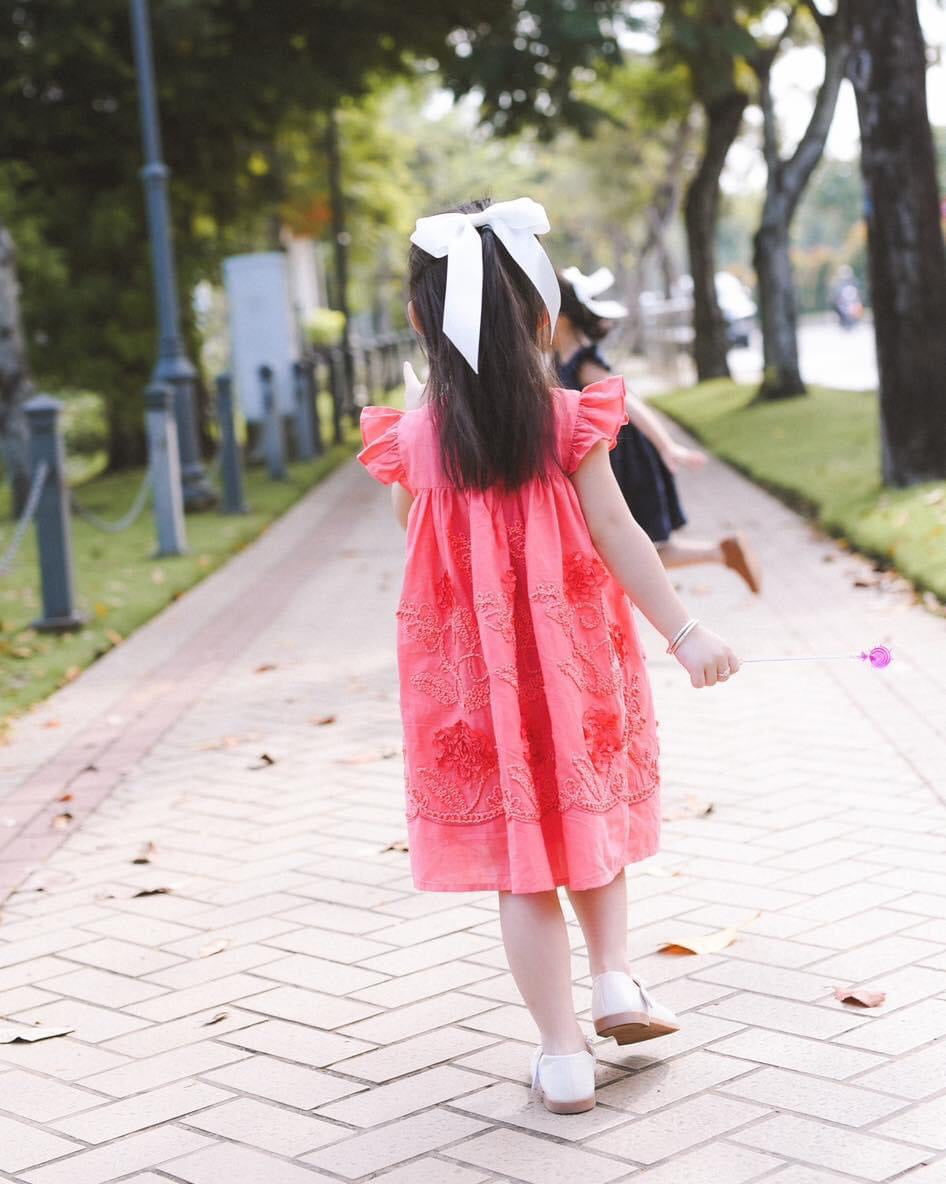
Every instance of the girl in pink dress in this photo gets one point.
(529, 734)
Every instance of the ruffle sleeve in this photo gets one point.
(600, 415)
(381, 454)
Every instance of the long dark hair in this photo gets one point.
(496, 427)
(594, 327)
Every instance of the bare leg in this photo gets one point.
(683, 552)
(536, 941)
(602, 915)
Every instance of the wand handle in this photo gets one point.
(805, 658)
(878, 657)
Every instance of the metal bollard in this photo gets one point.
(274, 444)
(312, 389)
(53, 536)
(231, 470)
(336, 360)
(165, 469)
(305, 433)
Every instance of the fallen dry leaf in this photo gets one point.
(397, 845)
(223, 743)
(265, 760)
(695, 807)
(151, 892)
(265, 667)
(52, 723)
(215, 947)
(10, 1034)
(215, 1019)
(62, 821)
(114, 636)
(64, 797)
(144, 855)
(321, 720)
(707, 943)
(364, 758)
(662, 871)
(860, 995)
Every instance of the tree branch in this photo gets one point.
(799, 167)
(822, 20)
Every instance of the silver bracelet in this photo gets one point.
(681, 635)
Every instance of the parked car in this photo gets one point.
(737, 307)
(735, 303)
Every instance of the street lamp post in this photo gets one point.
(173, 365)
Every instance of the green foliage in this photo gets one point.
(525, 61)
(324, 327)
(822, 455)
(231, 78)
(714, 40)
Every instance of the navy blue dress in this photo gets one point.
(647, 484)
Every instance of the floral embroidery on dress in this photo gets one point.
(445, 597)
(602, 730)
(516, 539)
(585, 575)
(461, 547)
(465, 758)
(496, 608)
(468, 780)
(582, 666)
(619, 642)
(461, 676)
(465, 752)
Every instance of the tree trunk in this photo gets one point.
(663, 210)
(15, 383)
(710, 347)
(786, 183)
(907, 259)
(777, 308)
(127, 447)
(340, 240)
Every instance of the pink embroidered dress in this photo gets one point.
(529, 735)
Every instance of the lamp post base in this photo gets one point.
(196, 489)
(59, 624)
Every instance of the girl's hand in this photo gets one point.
(413, 388)
(706, 658)
(678, 456)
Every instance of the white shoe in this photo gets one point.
(566, 1084)
(623, 1008)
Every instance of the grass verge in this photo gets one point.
(821, 455)
(119, 584)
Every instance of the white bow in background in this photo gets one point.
(515, 224)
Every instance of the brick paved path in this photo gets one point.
(292, 1012)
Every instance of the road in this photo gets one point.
(830, 356)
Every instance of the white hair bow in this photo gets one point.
(515, 224)
(588, 287)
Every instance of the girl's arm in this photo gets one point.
(674, 455)
(633, 561)
(402, 500)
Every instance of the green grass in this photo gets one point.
(119, 585)
(821, 454)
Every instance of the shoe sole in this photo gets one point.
(741, 559)
(631, 1027)
(578, 1107)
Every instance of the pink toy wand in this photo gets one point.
(879, 657)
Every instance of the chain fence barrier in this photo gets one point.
(119, 524)
(8, 558)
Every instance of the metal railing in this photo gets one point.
(9, 556)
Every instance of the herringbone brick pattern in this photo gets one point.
(289, 1011)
